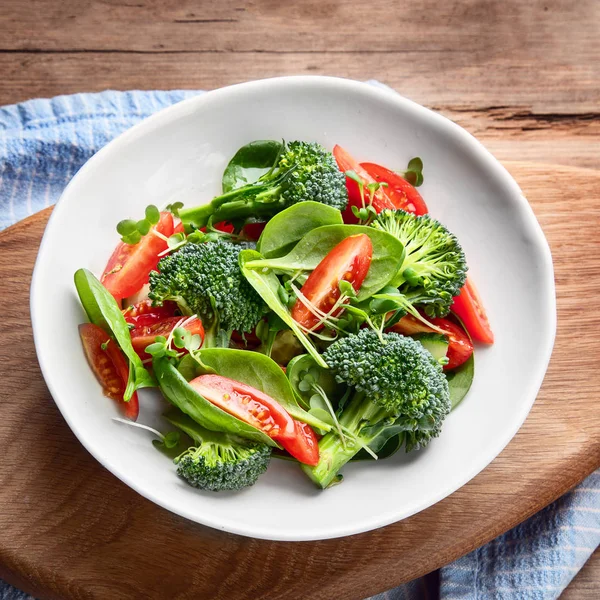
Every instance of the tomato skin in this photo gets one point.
(129, 267)
(350, 261)
(460, 346)
(261, 411)
(145, 333)
(469, 308)
(380, 199)
(253, 230)
(143, 313)
(402, 194)
(109, 366)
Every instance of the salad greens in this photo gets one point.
(298, 304)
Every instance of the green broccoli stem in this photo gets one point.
(264, 204)
(334, 452)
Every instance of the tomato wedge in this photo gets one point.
(109, 367)
(348, 261)
(143, 313)
(402, 194)
(460, 346)
(381, 200)
(468, 306)
(261, 411)
(142, 335)
(129, 266)
(253, 230)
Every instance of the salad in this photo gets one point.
(313, 312)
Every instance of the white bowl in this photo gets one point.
(180, 154)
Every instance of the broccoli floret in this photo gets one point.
(205, 279)
(434, 268)
(220, 461)
(398, 388)
(304, 171)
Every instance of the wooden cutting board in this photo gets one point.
(70, 529)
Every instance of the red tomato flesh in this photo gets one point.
(261, 411)
(468, 306)
(460, 346)
(143, 313)
(380, 201)
(129, 266)
(348, 261)
(109, 367)
(402, 194)
(145, 334)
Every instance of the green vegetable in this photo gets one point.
(131, 232)
(398, 388)
(286, 229)
(434, 268)
(436, 344)
(460, 380)
(388, 253)
(102, 310)
(250, 163)
(220, 461)
(205, 279)
(268, 287)
(260, 372)
(304, 171)
(181, 394)
(414, 172)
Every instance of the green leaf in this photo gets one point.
(289, 226)
(143, 226)
(133, 238)
(179, 393)
(260, 372)
(267, 286)
(250, 163)
(460, 380)
(126, 227)
(388, 254)
(103, 310)
(153, 214)
(174, 208)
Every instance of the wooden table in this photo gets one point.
(524, 77)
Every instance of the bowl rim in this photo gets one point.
(376, 91)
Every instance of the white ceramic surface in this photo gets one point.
(180, 154)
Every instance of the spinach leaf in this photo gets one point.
(388, 254)
(267, 285)
(260, 372)
(103, 310)
(460, 380)
(286, 228)
(250, 163)
(181, 394)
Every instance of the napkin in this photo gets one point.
(42, 145)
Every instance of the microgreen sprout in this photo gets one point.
(168, 440)
(174, 208)
(414, 172)
(132, 232)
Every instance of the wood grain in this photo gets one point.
(513, 71)
(70, 530)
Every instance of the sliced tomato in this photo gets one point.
(381, 200)
(348, 261)
(178, 228)
(129, 266)
(143, 313)
(468, 306)
(253, 230)
(109, 366)
(261, 411)
(460, 346)
(142, 335)
(402, 194)
(248, 339)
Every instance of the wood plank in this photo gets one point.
(586, 583)
(531, 128)
(69, 529)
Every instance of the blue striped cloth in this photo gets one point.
(42, 145)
